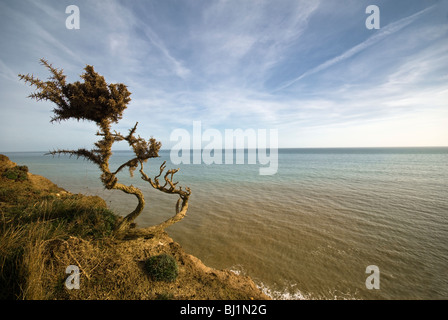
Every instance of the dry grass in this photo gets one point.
(109, 269)
(44, 229)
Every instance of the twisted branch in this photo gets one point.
(89, 155)
(168, 187)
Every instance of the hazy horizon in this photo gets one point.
(283, 148)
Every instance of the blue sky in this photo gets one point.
(310, 69)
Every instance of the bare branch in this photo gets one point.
(132, 131)
(89, 155)
(131, 163)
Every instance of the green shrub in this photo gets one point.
(164, 296)
(22, 168)
(77, 217)
(18, 173)
(162, 267)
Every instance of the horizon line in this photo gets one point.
(280, 148)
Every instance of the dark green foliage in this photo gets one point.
(9, 286)
(162, 267)
(72, 215)
(18, 173)
(22, 168)
(96, 223)
(92, 99)
(164, 296)
(75, 217)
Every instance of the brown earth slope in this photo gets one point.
(110, 268)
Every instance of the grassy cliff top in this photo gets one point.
(44, 229)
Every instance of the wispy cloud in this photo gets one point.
(7, 72)
(176, 65)
(247, 39)
(380, 35)
(307, 68)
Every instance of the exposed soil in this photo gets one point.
(112, 268)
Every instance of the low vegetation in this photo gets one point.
(17, 173)
(44, 229)
(33, 219)
(162, 267)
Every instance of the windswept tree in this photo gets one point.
(95, 100)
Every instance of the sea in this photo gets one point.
(333, 223)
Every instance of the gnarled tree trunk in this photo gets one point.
(124, 224)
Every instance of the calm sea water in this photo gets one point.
(311, 230)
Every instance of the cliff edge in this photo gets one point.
(46, 229)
